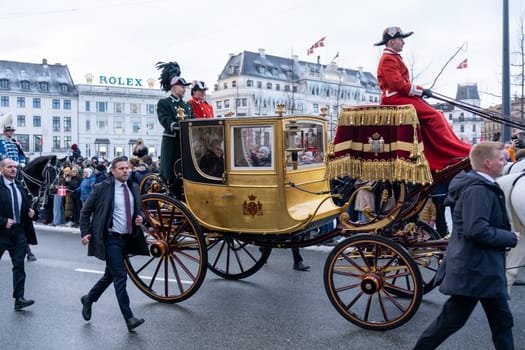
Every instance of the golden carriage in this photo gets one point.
(279, 180)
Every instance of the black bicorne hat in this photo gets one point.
(392, 33)
(198, 85)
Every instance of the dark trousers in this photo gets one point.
(14, 241)
(456, 311)
(115, 273)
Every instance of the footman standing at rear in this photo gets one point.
(109, 223)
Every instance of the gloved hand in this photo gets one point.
(426, 93)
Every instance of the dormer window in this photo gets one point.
(63, 88)
(24, 84)
(4, 84)
(231, 69)
(43, 86)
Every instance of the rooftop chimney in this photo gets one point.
(261, 53)
(44, 61)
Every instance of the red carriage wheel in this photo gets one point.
(176, 266)
(361, 275)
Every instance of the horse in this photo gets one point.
(513, 185)
(38, 177)
(515, 167)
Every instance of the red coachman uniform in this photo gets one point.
(201, 108)
(441, 143)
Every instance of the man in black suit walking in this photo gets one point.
(16, 227)
(109, 222)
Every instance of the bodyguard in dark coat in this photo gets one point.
(109, 222)
(16, 229)
(475, 261)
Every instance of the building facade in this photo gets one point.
(466, 125)
(111, 118)
(104, 117)
(43, 101)
(252, 84)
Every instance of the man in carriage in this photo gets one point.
(168, 115)
(440, 143)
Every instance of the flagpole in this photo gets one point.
(446, 64)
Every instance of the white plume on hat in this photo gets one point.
(7, 121)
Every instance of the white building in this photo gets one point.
(253, 84)
(112, 117)
(43, 101)
(465, 124)
(51, 113)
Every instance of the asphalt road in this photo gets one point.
(277, 308)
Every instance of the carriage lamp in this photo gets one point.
(280, 109)
(324, 112)
(294, 142)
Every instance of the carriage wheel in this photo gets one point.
(176, 266)
(358, 275)
(428, 259)
(152, 183)
(233, 259)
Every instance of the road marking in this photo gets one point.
(160, 279)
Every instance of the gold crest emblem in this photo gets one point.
(252, 207)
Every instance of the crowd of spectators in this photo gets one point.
(76, 178)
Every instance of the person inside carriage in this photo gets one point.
(168, 115)
(440, 143)
(212, 162)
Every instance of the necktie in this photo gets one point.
(16, 208)
(128, 209)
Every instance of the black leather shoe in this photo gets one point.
(519, 283)
(300, 266)
(31, 257)
(86, 307)
(21, 303)
(133, 323)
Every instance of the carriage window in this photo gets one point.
(208, 149)
(252, 146)
(308, 144)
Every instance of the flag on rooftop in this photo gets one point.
(463, 64)
(318, 43)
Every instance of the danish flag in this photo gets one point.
(318, 43)
(463, 64)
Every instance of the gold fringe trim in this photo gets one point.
(398, 169)
(378, 115)
(415, 169)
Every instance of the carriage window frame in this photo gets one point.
(243, 141)
(200, 138)
(307, 160)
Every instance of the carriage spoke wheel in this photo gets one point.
(233, 259)
(176, 266)
(360, 275)
(428, 259)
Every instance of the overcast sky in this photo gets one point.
(126, 38)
